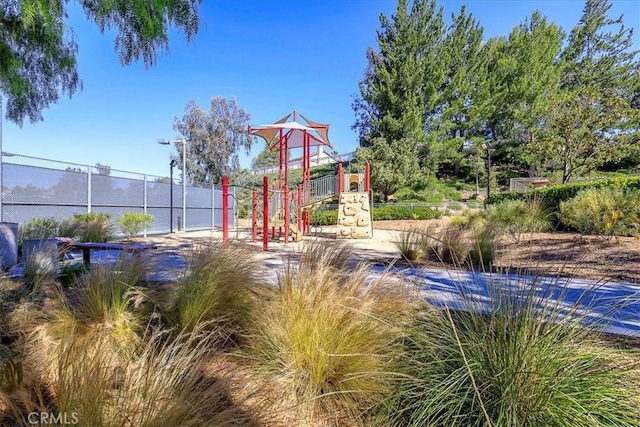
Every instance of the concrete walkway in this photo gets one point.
(615, 307)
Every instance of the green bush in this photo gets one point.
(454, 245)
(391, 212)
(38, 228)
(382, 213)
(244, 211)
(605, 212)
(93, 227)
(324, 217)
(552, 196)
(67, 228)
(133, 223)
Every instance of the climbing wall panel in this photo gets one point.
(354, 216)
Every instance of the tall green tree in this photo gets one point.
(214, 139)
(266, 158)
(525, 71)
(401, 80)
(462, 97)
(38, 50)
(394, 164)
(399, 86)
(593, 117)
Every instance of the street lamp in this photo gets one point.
(184, 176)
(487, 147)
(172, 164)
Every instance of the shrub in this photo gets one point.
(324, 217)
(244, 211)
(318, 254)
(133, 223)
(93, 227)
(552, 196)
(329, 339)
(513, 358)
(605, 212)
(517, 217)
(38, 228)
(391, 212)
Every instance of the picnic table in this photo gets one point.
(87, 247)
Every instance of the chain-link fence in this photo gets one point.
(35, 187)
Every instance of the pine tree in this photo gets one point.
(401, 80)
(524, 72)
(461, 98)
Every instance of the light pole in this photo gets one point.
(184, 176)
(487, 147)
(171, 166)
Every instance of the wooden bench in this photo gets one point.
(87, 247)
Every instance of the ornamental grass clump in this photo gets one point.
(410, 244)
(164, 383)
(218, 289)
(329, 339)
(93, 227)
(106, 306)
(517, 352)
(484, 245)
(518, 217)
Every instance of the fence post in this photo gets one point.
(213, 206)
(225, 211)
(89, 189)
(340, 179)
(144, 199)
(265, 213)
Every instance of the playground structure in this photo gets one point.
(282, 212)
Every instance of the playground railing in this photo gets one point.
(320, 189)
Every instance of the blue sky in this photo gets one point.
(272, 56)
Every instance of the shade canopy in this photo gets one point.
(293, 133)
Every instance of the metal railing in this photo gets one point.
(525, 184)
(441, 205)
(297, 163)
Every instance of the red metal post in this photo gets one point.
(280, 161)
(340, 179)
(287, 221)
(254, 217)
(367, 177)
(265, 213)
(225, 211)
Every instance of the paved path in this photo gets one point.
(615, 306)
